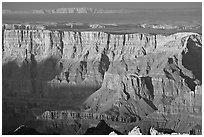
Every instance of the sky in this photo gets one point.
(20, 6)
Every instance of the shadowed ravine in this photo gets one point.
(27, 93)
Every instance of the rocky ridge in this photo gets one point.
(78, 25)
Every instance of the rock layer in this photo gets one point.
(164, 71)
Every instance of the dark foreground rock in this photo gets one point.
(24, 130)
(101, 129)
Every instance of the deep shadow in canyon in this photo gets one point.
(26, 92)
(192, 60)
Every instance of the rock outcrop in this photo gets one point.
(67, 114)
(160, 69)
(113, 133)
(135, 131)
(101, 129)
(139, 74)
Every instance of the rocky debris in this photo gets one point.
(135, 131)
(164, 132)
(161, 132)
(153, 131)
(101, 129)
(113, 133)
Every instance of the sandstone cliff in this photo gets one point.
(139, 74)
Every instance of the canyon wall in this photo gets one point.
(138, 74)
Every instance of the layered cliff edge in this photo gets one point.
(139, 74)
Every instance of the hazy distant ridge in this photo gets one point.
(86, 10)
(66, 11)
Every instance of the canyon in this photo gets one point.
(144, 75)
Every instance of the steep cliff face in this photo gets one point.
(165, 70)
(136, 72)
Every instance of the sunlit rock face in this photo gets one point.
(163, 70)
(139, 74)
